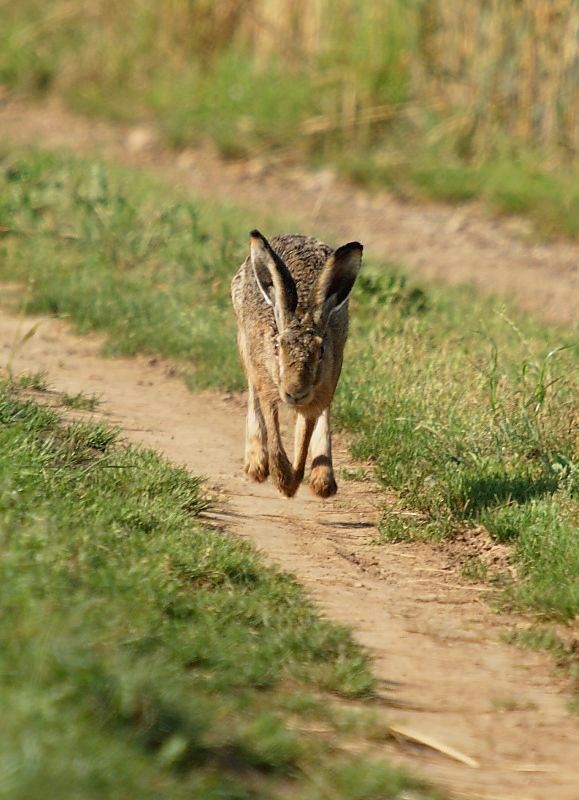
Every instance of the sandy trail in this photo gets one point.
(434, 641)
(460, 244)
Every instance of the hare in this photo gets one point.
(291, 301)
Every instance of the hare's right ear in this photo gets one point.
(273, 279)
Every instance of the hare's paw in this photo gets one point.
(257, 467)
(322, 481)
(284, 476)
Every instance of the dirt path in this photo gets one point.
(435, 642)
(456, 244)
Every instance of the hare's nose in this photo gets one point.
(294, 397)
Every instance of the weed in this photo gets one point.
(358, 474)
(80, 401)
(33, 380)
(510, 704)
(399, 525)
(19, 342)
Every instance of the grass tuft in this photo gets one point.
(35, 381)
(80, 401)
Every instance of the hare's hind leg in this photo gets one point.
(256, 460)
(322, 480)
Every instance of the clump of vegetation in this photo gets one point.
(80, 401)
(467, 410)
(434, 98)
(35, 381)
(144, 654)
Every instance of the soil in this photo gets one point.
(456, 244)
(434, 641)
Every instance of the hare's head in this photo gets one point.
(299, 343)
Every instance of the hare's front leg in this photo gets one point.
(256, 460)
(304, 429)
(279, 466)
(322, 480)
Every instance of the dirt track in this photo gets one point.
(434, 640)
(455, 244)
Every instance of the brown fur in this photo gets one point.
(291, 340)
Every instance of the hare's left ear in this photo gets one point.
(337, 279)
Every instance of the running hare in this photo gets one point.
(291, 301)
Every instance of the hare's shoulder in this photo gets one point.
(304, 256)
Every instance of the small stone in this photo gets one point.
(139, 139)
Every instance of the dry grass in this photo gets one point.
(483, 68)
(473, 75)
(502, 67)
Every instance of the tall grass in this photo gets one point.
(500, 68)
(484, 70)
(425, 93)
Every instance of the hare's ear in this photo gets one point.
(337, 279)
(273, 279)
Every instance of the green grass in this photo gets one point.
(400, 95)
(467, 409)
(152, 272)
(31, 380)
(146, 655)
(80, 401)
(510, 184)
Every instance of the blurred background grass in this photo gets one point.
(432, 98)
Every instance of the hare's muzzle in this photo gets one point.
(297, 397)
